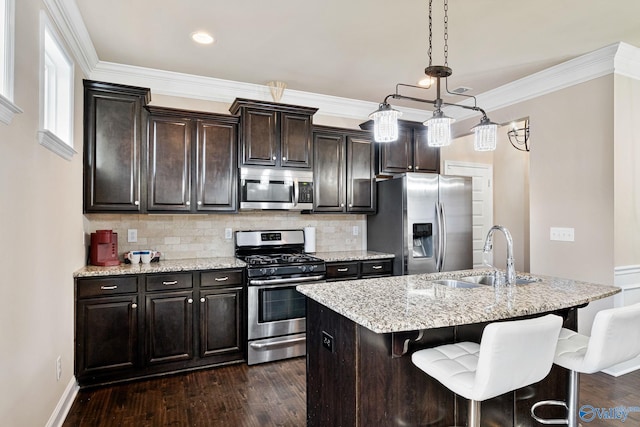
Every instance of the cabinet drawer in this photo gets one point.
(87, 288)
(382, 267)
(167, 282)
(221, 278)
(342, 270)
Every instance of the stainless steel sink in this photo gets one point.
(490, 280)
(456, 283)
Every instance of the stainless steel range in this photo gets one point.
(276, 264)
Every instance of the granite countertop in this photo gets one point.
(407, 303)
(165, 266)
(162, 267)
(351, 255)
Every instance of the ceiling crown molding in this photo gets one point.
(620, 58)
(66, 17)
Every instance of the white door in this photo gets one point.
(482, 190)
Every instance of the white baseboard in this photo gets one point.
(64, 404)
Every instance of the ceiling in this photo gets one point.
(356, 49)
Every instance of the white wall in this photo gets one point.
(41, 229)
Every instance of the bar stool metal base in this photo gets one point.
(571, 405)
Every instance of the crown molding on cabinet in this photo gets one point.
(619, 58)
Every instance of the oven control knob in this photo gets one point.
(312, 267)
(272, 271)
(263, 271)
(303, 268)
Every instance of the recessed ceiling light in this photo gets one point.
(202, 37)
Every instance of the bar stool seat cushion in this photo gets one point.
(511, 355)
(615, 338)
(452, 364)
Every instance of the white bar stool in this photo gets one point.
(615, 338)
(511, 355)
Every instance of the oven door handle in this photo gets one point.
(259, 346)
(256, 282)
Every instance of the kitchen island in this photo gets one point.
(360, 335)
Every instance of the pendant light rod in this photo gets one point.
(438, 102)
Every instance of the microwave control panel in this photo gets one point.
(305, 193)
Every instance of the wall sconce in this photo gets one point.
(519, 137)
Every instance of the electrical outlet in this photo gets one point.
(228, 233)
(562, 234)
(356, 230)
(132, 235)
(58, 368)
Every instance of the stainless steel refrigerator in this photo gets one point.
(426, 221)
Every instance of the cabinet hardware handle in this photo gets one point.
(188, 203)
(417, 167)
(137, 202)
(284, 159)
(350, 205)
(202, 299)
(342, 205)
(273, 158)
(376, 267)
(221, 279)
(409, 167)
(342, 270)
(190, 300)
(199, 202)
(134, 305)
(173, 282)
(108, 288)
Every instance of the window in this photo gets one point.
(7, 108)
(56, 94)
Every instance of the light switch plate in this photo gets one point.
(562, 234)
(132, 235)
(227, 233)
(356, 230)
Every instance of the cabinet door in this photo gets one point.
(360, 175)
(259, 138)
(169, 171)
(295, 136)
(329, 172)
(112, 145)
(106, 335)
(221, 322)
(425, 158)
(216, 183)
(169, 327)
(395, 156)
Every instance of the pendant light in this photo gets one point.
(385, 127)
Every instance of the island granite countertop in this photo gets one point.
(414, 302)
(163, 266)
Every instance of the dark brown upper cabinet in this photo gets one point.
(275, 135)
(113, 147)
(191, 161)
(409, 153)
(344, 178)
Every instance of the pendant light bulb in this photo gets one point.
(385, 123)
(438, 129)
(485, 135)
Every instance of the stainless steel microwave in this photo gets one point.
(284, 189)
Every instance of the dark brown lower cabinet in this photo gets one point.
(118, 338)
(348, 270)
(169, 327)
(368, 379)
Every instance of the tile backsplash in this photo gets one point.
(203, 236)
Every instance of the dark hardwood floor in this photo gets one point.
(272, 394)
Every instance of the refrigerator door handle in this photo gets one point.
(443, 237)
(443, 222)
